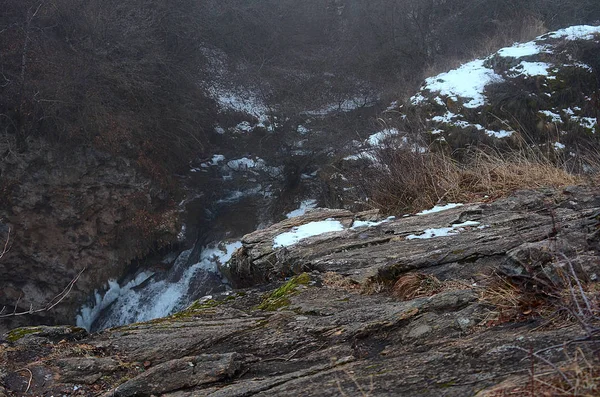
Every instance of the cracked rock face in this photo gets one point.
(327, 338)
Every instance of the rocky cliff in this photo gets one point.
(453, 301)
(65, 213)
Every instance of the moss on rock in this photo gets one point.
(280, 297)
(18, 333)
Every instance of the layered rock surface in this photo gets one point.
(320, 333)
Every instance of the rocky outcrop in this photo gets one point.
(66, 212)
(492, 236)
(339, 329)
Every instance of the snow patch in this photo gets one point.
(555, 118)
(499, 134)
(522, 50)
(305, 205)
(359, 224)
(443, 231)
(581, 32)
(445, 118)
(468, 81)
(305, 231)
(531, 69)
(378, 138)
(440, 208)
(586, 122)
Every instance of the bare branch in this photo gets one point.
(6, 244)
(50, 305)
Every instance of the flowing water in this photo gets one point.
(148, 295)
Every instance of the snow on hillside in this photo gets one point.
(542, 72)
(468, 81)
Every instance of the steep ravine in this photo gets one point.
(89, 210)
(336, 327)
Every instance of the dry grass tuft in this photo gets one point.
(513, 302)
(406, 180)
(336, 280)
(577, 376)
(559, 293)
(416, 285)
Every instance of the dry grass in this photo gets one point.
(576, 376)
(337, 281)
(415, 285)
(407, 181)
(512, 302)
(562, 296)
(418, 285)
(558, 294)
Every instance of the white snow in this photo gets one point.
(359, 224)
(219, 254)
(240, 100)
(417, 99)
(346, 105)
(581, 32)
(439, 101)
(499, 134)
(305, 205)
(443, 231)
(302, 130)
(559, 146)
(584, 66)
(555, 118)
(532, 69)
(445, 118)
(381, 136)
(241, 164)
(440, 208)
(244, 126)
(362, 156)
(305, 231)
(468, 81)
(520, 50)
(586, 122)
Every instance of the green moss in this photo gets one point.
(280, 297)
(195, 308)
(19, 333)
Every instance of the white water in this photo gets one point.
(134, 302)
